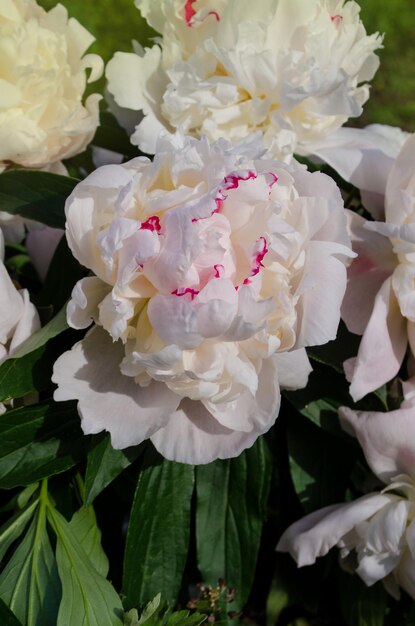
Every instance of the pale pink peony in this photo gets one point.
(214, 268)
(378, 528)
(380, 298)
(295, 70)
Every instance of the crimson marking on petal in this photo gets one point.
(258, 258)
(185, 292)
(190, 12)
(337, 19)
(274, 179)
(153, 224)
(218, 268)
(232, 180)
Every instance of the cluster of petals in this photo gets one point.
(214, 267)
(377, 531)
(380, 298)
(43, 76)
(294, 70)
(18, 316)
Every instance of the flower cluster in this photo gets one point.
(294, 70)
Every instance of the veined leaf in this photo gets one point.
(88, 599)
(14, 528)
(36, 195)
(84, 527)
(104, 465)
(38, 441)
(158, 533)
(29, 584)
(7, 618)
(231, 504)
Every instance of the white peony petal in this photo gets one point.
(293, 369)
(108, 400)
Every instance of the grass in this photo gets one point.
(116, 22)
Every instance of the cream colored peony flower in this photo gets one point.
(43, 75)
(295, 70)
(378, 529)
(18, 316)
(214, 268)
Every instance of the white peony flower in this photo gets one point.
(213, 270)
(380, 298)
(18, 317)
(379, 528)
(295, 70)
(43, 75)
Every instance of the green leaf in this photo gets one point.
(361, 605)
(111, 136)
(29, 584)
(185, 618)
(36, 195)
(320, 463)
(104, 465)
(88, 599)
(55, 327)
(38, 441)
(30, 367)
(158, 533)
(231, 504)
(14, 528)
(84, 527)
(7, 618)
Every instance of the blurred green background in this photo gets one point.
(116, 22)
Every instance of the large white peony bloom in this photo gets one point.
(295, 70)
(213, 270)
(378, 528)
(380, 298)
(18, 316)
(43, 75)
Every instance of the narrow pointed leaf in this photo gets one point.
(158, 533)
(230, 510)
(7, 618)
(85, 528)
(38, 441)
(38, 196)
(14, 528)
(29, 585)
(88, 599)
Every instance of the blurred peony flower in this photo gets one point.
(213, 270)
(18, 316)
(43, 75)
(380, 298)
(295, 70)
(378, 528)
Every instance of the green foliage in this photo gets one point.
(157, 613)
(158, 533)
(38, 196)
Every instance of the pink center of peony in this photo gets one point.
(190, 12)
(153, 224)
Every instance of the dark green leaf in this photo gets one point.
(29, 584)
(158, 533)
(84, 526)
(361, 605)
(111, 136)
(104, 465)
(320, 463)
(88, 599)
(38, 441)
(14, 528)
(35, 195)
(231, 502)
(53, 328)
(7, 618)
